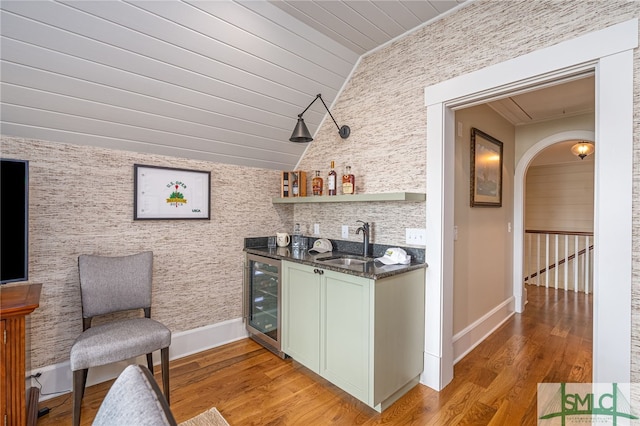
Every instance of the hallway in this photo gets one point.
(496, 383)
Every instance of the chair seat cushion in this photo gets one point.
(117, 341)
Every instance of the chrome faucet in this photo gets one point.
(365, 234)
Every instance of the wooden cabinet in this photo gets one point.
(365, 336)
(16, 302)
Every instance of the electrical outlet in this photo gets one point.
(316, 229)
(345, 231)
(416, 236)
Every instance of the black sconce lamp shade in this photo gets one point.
(301, 132)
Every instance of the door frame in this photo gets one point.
(608, 53)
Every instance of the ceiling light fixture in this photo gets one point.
(301, 133)
(582, 149)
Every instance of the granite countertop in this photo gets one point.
(371, 269)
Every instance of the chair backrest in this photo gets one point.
(134, 399)
(111, 284)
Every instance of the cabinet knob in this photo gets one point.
(318, 271)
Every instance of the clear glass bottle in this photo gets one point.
(295, 190)
(331, 180)
(317, 183)
(296, 239)
(348, 182)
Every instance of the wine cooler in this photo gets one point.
(262, 301)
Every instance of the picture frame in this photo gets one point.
(486, 170)
(165, 193)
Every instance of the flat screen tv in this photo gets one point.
(14, 220)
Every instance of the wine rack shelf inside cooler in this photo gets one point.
(263, 292)
(264, 298)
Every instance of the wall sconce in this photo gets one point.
(583, 149)
(301, 133)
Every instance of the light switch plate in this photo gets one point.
(316, 229)
(416, 236)
(345, 231)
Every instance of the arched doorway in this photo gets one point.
(519, 202)
(608, 53)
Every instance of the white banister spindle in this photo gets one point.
(530, 261)
(546, 260)
(576, 258)
(586, 265)
(557, 262)
(566, 262)
(538, 257)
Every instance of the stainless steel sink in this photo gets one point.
(346, 261)
(343, 261)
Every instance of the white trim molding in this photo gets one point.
(608, 52)
(519, 292)
(466, 340)
(57, 378)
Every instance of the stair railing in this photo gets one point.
(559, 259)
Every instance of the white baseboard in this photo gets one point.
(57, 378)
(434, 374)
(466, 340)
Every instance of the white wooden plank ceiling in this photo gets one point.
(220, 81)
(216, 80)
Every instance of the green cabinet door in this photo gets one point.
(346, 332)
(301, 314)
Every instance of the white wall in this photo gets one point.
(559, 197)
(529, 135)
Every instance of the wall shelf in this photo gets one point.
(386, 196)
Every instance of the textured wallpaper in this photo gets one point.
(81, 201)
(383, 103)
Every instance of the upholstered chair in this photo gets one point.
(134, 399)
(109, 285)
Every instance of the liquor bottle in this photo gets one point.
(317, 183)
(348, 182)
(294, 185)
(331, 181)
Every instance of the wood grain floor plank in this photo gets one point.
(495, 384)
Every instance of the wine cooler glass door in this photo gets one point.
(264, 287)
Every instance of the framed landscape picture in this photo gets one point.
(168, 193)
(486, 170)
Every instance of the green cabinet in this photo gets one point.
(301, 304)
(365, 336)
(346, 332)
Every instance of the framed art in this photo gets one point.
(486, 170)
(168, 193)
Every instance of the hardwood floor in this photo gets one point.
(495, 384)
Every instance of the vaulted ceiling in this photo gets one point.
(219, 80)
(215, 80)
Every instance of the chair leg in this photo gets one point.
(150, 362)
(79, 383)
(164, 355)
